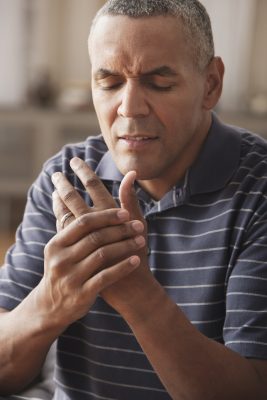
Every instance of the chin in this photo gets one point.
(141, 175)
(144, 171)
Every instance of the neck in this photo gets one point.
(158, 187)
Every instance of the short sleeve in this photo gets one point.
(245, 329)
(24, 262)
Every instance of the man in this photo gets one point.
(165, 295)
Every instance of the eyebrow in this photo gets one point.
(161, 71)
(164, 71)
(103, 73)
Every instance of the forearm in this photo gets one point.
(25, 338)
(80, 262)
(190, 365)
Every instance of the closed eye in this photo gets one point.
(158, 83)
(109, 83)
(160, 88)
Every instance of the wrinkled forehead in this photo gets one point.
(135, 39)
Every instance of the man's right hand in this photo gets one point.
(88, 255)
(94, 250)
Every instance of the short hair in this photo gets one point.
(195, 21)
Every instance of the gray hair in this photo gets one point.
(195, 19)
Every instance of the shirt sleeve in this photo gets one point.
(24, 262)
(245, 329)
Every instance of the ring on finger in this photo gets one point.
(65, 218)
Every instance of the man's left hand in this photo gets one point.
(66, 201)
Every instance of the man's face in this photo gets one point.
(147, 93)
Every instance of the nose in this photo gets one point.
(133, 102)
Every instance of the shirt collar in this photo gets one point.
(217, 160)
(213, 168)
(107, 170)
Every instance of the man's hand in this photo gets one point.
(97, 247)
(128, 288)
(93, 252)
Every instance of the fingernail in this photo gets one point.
(75, 162)
(123, 215)
(134, 261)
(140, 241)
(138, 226)
(55, 177)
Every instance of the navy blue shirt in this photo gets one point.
(208, 249)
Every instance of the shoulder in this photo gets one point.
(252, 148)
(91, 151)
(252, 144)
(253, 154)
(250, 178)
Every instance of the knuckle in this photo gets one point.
(70, 195)
(56, 263)
(100, 254)
(124, 229)
(91, 182)
(47, 250)
(50, 247)
(101, 279)
(55, 259)
(83, 220)
(95, 238)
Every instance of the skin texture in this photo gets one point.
(146, 89)
(97, 248)
(102, 250)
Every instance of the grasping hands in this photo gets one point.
(98, 246)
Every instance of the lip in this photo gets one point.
(137, 141)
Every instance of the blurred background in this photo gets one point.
(45, 98)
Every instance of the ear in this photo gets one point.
(214, 83)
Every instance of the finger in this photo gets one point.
(127, 195)
(87, 223)
(60, 210)
(79, 271)
(111, 254)
(100, 196)
(69, 195)
(105, 257)
(68, 262)
(102, 237)
(109, 276)
(129, 201)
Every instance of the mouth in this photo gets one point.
(136, 138)
(136, 142)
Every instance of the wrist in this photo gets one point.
(41, 319)
(144, 302)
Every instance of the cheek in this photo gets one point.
(105, 109)
(106, 114)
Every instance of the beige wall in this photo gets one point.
(13, 51)
(56, 34)
(258, 78)
(240, 33)
(233, 24)
(59, 40)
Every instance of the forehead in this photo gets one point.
(138, 43)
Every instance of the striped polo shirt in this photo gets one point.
(208, 249)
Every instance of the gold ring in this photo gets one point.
(65, 218)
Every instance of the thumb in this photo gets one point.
(127, 195)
